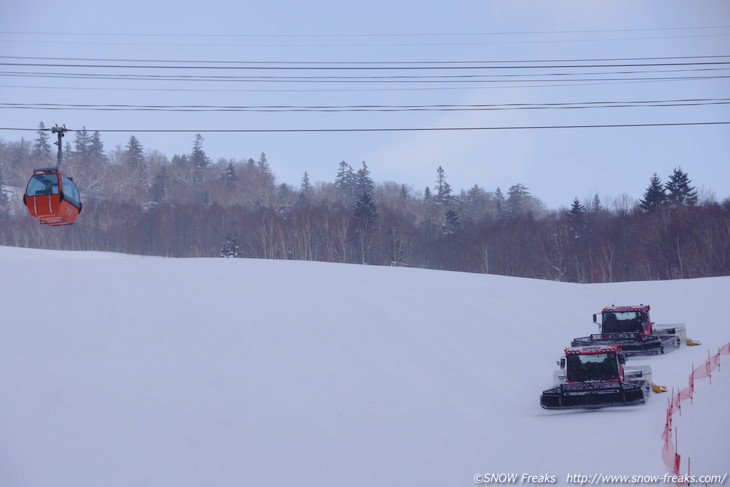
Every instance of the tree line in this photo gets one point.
(139, 201)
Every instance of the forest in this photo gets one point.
(137, 200)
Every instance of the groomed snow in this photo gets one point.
(125, 371)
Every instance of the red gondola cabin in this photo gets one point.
(52, 198)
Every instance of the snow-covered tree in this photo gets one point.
(231, 249)
(452, 223)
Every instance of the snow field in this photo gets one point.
(139, 371)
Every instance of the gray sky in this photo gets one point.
(477, 56)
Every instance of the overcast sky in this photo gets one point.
(480, 64)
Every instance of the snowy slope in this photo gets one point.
(137, 371)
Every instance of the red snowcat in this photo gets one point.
(595, 377)
(631, 327)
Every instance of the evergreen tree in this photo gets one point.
(577, 209)
(452, 223)
(229, 174)
(231, 249)
(404, 192)
(517, 197)
(306, 192)
(158, 188)
(365, 218)
(42, 147)
(654, 196)
(500, 203)
(679, 191)
(427, 197)
(180, 160)
(306, 187)
(198, 157)
(82, 145)
(135, 154)
(363, 181)
(577, 219)
(96, 147)
(365, 213)
(596, 205)
(200, 161)
(442, 189)
(284, 191)
(474, 194)
(136, 162)
(286, 198)
(474, 203)
(263, 164)
(346, 183)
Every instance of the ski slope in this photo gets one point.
(124, 371)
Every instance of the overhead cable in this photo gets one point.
(391, 129)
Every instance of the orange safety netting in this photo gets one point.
(670, 454)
